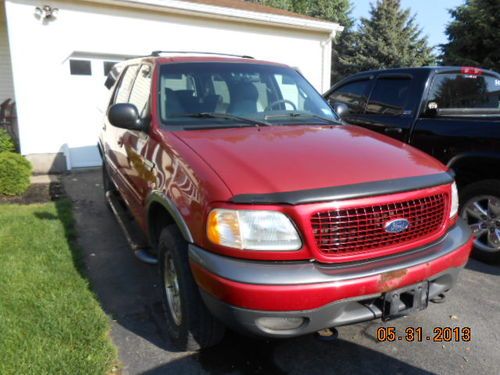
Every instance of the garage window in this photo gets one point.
(107, 66)
(80, 67)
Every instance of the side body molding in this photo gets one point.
(160, 198)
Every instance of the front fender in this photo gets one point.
(161, 198)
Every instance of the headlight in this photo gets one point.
(454, 200)
(252, 230)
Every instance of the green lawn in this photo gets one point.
(50, 321)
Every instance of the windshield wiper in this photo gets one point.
(226, 116)
(298, 114)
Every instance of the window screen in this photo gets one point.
(389, 96)
(353, 95)
(80, 67)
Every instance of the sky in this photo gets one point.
(432, 15)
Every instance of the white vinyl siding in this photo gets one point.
(6, 86)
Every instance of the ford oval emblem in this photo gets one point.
(396, 226)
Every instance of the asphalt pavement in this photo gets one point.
(129, 293)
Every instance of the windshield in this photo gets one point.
(268, 94)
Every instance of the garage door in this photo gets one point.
(86, 103)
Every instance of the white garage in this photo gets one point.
(60, 52)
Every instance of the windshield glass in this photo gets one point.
(266, 93)
(466, 92)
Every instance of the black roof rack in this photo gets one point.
(158, 53)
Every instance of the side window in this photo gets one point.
(123, 91)
(180, 82)
(289, 92)
(475, 93)
(221, 89)
(389, 96)
(140, 92)
(353, 94)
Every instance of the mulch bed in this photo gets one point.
(37, 193)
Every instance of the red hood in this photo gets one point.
(290, 158)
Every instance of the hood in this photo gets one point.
(274, 159)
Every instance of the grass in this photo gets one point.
(50, 321)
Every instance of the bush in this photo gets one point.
(6, 142)
(15, 173)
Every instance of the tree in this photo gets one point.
(281, 4)
(389, 38)
(331, 10)
(473, 35)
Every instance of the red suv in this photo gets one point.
(266, 214)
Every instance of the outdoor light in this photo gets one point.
(46, 13)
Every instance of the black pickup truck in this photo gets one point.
(452, 113)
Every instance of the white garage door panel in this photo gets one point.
(86, 101)
(6, 86)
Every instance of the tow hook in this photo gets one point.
(440, 298)
(327, 334)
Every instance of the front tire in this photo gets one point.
(189, 323)
(480, 208)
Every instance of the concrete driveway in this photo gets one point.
(129, 293)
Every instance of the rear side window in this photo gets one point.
(389, 96)
(353, 94)
(123, 92)
(475, 93)
(140, 92)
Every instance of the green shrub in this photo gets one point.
(15, 173)
(6, 142)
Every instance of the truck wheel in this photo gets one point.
(480, 208)
(189, 323)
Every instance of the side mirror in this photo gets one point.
(340, 108)
(432, 109)
(125, 116)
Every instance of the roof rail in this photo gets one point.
(158, 53)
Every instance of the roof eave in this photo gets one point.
(213, 11)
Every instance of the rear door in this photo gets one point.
(461, 115)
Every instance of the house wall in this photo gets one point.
(6, 84)
(53, 106)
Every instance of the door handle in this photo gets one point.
(393, 130)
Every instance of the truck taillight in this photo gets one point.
(471, 70)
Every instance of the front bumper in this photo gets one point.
(241, 292)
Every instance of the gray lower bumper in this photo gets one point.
(336, 314)
(343, 312)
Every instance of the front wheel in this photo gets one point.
(480, 208)
(189, 323)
